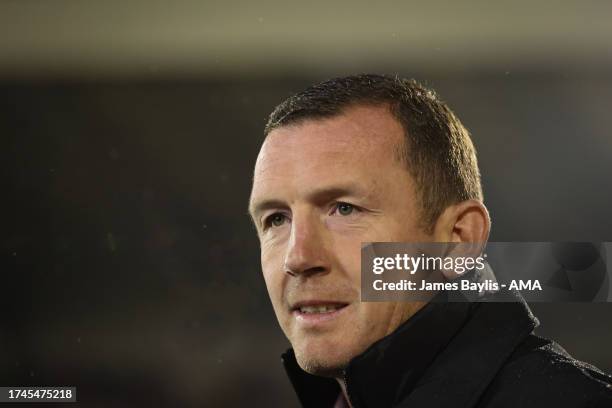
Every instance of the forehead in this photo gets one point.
(361, 131)
(359, 144)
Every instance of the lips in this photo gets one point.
(318, 314)
(317, 307)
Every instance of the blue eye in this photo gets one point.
(345, 209)
(275, 220)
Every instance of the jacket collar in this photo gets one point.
(444, 356)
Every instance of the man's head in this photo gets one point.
(358, 159)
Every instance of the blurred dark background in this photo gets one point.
(129, 132)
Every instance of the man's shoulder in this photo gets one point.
(540, 373)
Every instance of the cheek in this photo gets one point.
(346, 251)
(272, 270)
(377, 318)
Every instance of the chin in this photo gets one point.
(325, 360)
(321, 367)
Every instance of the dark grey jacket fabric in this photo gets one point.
(461, 355)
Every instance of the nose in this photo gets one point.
(306, 250)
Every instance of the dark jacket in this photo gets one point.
(461, 355)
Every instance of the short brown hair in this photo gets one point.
(438, 151)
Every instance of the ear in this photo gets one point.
(467, 221)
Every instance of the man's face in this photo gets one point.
(320, 189)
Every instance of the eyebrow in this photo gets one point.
(317, 195)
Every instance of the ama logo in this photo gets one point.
(526, 285)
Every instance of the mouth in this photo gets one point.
(316, 313)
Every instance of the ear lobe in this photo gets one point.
(467, 221)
